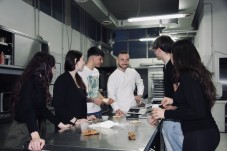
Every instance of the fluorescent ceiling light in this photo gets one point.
(81, 1)
(106, 22)
(153, 39)
(147, 39)
(159, 17)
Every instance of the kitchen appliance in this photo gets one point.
(140, 110)
(5, 101)
(5, 115)
(158, 87)
(109, 60)
(156, 84)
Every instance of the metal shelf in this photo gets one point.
(3, 43)
(11, 69)
(5, 118)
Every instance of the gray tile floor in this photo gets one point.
(223, 143)
(50, 129)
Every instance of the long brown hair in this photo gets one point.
(39, 67)
(186, 58)
(70, 65)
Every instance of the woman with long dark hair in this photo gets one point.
(70, 91)
(194, 99)
(30, 97)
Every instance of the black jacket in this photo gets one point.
(168, 79)
(193, 107)
(69, 101)
(32, 105)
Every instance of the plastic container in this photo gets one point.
(105, 117)
(8, 60)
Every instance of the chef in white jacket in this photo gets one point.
(121, 85)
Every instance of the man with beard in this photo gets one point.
(121, 85)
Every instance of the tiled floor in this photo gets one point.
(223, 143)
(4, 130)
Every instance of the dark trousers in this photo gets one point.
(18, 136)
(203, 140)
(96, 114)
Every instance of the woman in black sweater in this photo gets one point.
(194, 99)
(30, 98)
(70, 92)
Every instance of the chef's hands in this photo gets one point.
(138, 99)
(91, 118)
(100, 100)
(36, 143)
(110, 101)
(119, 112)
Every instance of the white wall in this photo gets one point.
(22, 17)
(17, 15)
(211, 39)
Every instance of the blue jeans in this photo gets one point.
(96, 114)
(173, 136)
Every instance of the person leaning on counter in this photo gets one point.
(171, 129)
(194, 97)
(69, 95)
(90, 76)
(121, 85)
(30, 98)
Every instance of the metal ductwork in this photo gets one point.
(151, 24)
(113, 14)
(97, 10)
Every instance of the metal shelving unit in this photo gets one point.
(156, 84)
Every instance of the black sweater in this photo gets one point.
(168, 79)
(32, 105)
(193, 107)
(69, 100)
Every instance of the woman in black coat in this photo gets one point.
(194, 99)
(70, 92)
(29, 99)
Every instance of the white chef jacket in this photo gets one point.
(91, 80)
(121, 86)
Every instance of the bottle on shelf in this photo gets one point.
(2, 58)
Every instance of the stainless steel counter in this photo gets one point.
(115, 138)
